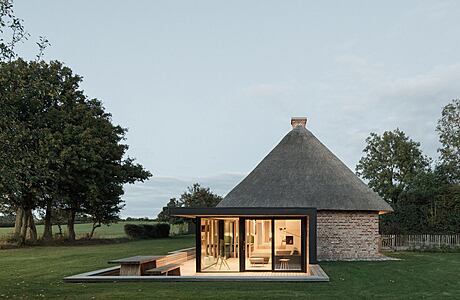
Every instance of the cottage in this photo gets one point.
(300, 204)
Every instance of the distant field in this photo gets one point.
(112, 231)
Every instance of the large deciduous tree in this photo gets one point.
(25, 97)
(59, 149)
(390, 163)
(449, 135)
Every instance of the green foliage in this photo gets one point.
(165, 214)
(198, 196)
(449, 135)
(12, 31)
(147, 231)
(390, 163)
(194, 196)
(59, 149)
(424, 200)
(407, 218)
(28, 95)
(444, 213)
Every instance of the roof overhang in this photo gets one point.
(243, 212)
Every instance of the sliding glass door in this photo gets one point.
(273, 244)
(288, 245)
(252, 244)
(258, 245)
(219, 245)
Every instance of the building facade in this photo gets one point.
(300, 204)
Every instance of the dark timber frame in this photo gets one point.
(245, 213)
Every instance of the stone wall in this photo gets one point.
(347, 235)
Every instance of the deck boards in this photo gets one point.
(317, 274)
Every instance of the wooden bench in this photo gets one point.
(168, 270)
(136, 265)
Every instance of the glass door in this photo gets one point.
(273, 244)
(258, 244)
(288, 245)
(219, 245)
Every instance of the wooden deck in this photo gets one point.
(188, 274)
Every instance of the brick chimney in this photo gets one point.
(298, 121)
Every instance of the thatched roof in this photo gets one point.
(301, 172)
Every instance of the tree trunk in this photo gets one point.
(71, 225)
(32, 228)
(24, 225)
(95, 225)
(18, 223)
(48, 230)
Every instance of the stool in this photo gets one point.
(284, 263)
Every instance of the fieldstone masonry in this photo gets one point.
(343, 235)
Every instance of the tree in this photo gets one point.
(165, 214)
(390, 163)
(194, 196)
(198, 196)
(12, 31)
(448, 129)
(93, 167)
(58, 149)
(25, 96)
(446, 211)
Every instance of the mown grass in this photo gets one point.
(37, 272)
(115, 230)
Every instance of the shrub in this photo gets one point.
(163, 230)
(147, 231)
(150, 230)
(134, 231)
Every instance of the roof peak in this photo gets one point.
(299, 122)
(302, 172)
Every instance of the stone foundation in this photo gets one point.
(345, 235)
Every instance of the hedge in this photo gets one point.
(147, 231)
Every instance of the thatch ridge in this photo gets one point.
(302, 172)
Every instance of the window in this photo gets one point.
(219, 245)
(288, 245)
(258, 243)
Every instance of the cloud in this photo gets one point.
(147, 199)
(434, 82)
(382, 99)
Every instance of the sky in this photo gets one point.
(207, 88)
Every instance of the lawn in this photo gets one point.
(32, 273)
(112, 231)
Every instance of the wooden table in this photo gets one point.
(136, 265)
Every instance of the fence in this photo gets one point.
(419, 241)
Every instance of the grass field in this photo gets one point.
(32, 273)
(113, 231)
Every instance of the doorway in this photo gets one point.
(219, 245)
(258, 244)
(273, 244)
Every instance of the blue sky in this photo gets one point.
(207, 88)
